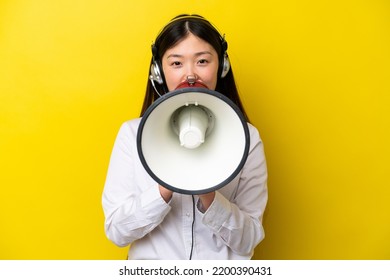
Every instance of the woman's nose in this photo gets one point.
(190, 71)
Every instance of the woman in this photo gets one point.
(161, 224)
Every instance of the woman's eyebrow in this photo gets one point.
(202, 53)
(174, 55)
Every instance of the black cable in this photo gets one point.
(192, 229)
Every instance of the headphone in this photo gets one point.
(156, 73)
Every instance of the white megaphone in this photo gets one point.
(193, 140)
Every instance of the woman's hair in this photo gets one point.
(173, 33)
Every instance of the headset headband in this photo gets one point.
(196, 17)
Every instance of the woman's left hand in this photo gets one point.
(206, 200)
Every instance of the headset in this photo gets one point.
(156, 73)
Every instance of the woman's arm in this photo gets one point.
(131, 211)
(238, 223)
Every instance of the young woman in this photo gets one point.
(160, 223)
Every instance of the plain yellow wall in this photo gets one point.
(314, 77)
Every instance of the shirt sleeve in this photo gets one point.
(238, 223)
(131, 211)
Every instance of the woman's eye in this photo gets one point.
(176, 63)
(202, 61)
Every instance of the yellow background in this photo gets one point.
(313, 75)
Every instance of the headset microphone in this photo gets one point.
(154, 86)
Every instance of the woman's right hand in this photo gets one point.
(165, 193)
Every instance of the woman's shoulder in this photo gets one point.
(133, 123)
(253, 131)
(129, 127)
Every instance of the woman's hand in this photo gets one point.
(206, 200)
(165, 193)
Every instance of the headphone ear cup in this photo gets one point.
(155, 73)
(225, 66)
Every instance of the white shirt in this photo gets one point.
(136, 214)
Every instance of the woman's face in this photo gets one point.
(190, 57)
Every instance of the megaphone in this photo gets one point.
(193, 140)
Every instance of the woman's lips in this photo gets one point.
(186, 84)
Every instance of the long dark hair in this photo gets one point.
(175, 31)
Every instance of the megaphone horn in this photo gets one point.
(193, 140)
